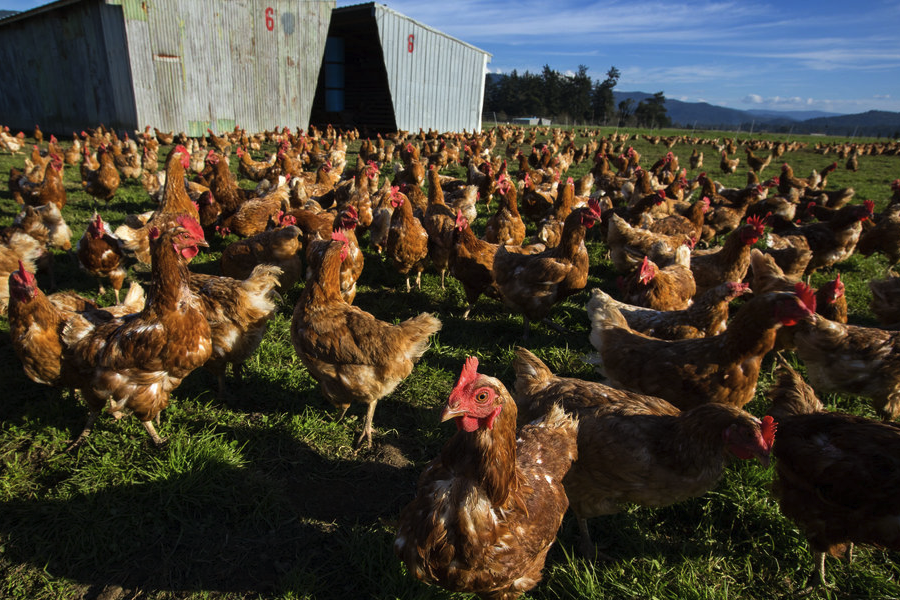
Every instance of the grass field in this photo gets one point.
(261, 496)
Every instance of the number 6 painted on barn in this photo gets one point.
(270, 20)
(409, 42)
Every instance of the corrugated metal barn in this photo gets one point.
(384, 71)
(176, 65)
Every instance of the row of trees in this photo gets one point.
(573, 98)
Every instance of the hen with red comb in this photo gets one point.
(488, 508)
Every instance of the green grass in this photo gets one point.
(261, 496)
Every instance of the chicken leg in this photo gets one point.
(367, 427)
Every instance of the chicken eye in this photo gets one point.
(482, 397)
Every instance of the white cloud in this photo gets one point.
(752, 99)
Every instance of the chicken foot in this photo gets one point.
(586, 546)
(92, 418)
(367, 427)
(158, 441)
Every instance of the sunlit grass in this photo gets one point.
(260, 494)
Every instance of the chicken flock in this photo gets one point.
(679, 360)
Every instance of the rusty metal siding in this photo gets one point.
(63, 60)
(437, 82)
(210, 64)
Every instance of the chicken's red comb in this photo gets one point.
(339, 236)
(757, 222)
(835, 288)
(351, 212)
(22, 276)
(870, 206)
(570, 181)
(806, 294)
(469, 372)
(895, 184)
(594, 206)
(191, 225)
(767, 428)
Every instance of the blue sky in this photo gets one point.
(792, 55)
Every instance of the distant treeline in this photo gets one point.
(570, 98)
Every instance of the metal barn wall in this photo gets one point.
(66, 68)
(207, 63)
(436, 81)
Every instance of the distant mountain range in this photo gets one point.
(702, 115)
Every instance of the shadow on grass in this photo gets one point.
(277, 519)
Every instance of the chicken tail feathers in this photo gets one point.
(420, 328)
(603, 312)
(790, 395)
(135, 298)
(531, 374)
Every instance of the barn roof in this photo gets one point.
(368, 9)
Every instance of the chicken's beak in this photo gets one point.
(451, 413)
(763, 458)
(203, 243)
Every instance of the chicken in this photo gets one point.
(728, 262)
(756, 163)
(728, 165)
(835, 474)
(787, 181)
(628, 245)
(634, 448)
(257, 214)
(37, 323)
(835, 240)
(767, 276)
(438, 221)
(472, 263)
(237, 312)
(50, 190)
(251, 169)
(224, 187)
(351, 264)
(706, 316)
(549, 229)
(531, 284)
(407, 240)
(831, 300)
(100, 254)
(103, 182)
(669, 288)
(488, 508)
(136, 361)
(723, 369)
(506, 226)
(18, 248)
(883, 237)
(279, 247)
(537, 201)
(885, 301)
(689, 225)
(354, 356)
(850, 359)
(134, 234)
(696, 159)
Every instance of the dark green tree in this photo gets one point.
(652, 112)
(603, 103)
(626, 111)
(552, 83)
(578, 95)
